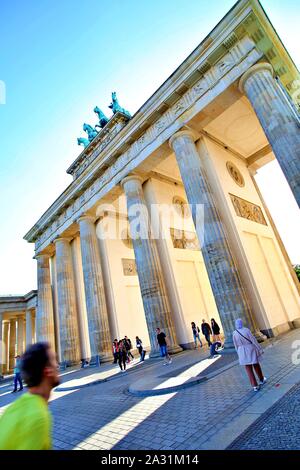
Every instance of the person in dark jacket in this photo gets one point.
(206, 331)
(115, 350)
(215, 330)
(128, 346)
(122, 356)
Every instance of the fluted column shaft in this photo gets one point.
(12, 342)
(5, 352)
(278, 120)
(20, 341)
(44, 316)
(2, 347)
(66, 301)
(99, 334)
(220, 265)
(152, 286)
(29, 335)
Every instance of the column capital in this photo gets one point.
(42, 255)
(86, 218)
(262, 66)
(128, 178)
(182, 133)
(62, 239)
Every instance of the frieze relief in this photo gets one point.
(204, 84)
(247, 210)
(129, 267)
(184, 240)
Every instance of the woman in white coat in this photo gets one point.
(249, 352)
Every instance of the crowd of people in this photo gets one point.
(122, 351)
(27, 424)
(211, 333)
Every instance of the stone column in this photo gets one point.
(29, 335)
(152, 286)
(44, 316)
(12, 342)
(278, 120)
(99, 334)
(220, 265)
(5, 352)
(66, 300)
(2, 347)
(20, 341)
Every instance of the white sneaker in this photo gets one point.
(262, 382)
(255, 389)
(170, 361)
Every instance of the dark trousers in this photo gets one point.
(116, 357)
(122, 360)
(17, 378)
(207, 337)
(129, 354)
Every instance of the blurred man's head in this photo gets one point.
(39, 366)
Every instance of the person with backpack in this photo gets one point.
(139, 347)
(249, 352)
(196, 334)
(128, 347)
(206, 331)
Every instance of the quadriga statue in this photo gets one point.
(83, 141)
(103, 120)
(91, 132)
(115, 105)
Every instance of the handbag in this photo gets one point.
(260, 351)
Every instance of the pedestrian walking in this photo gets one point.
(249, 352)
(122, 356)
(215, 330)
(115, 350)
(139, 347)
(162, 342)
(26, 424)
(196, 334)
(128, 347)
(17, 375)
(206, 331)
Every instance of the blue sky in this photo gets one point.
(61, 58)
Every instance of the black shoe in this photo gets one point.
(14, 391)
(20, 389)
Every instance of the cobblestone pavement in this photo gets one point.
(106, 416)
(277, 429)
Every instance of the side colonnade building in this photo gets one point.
(194, 146)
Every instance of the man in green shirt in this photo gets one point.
(27, 423)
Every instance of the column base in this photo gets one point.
(63, 365)
(296, 323)
(99, 359)
(175, 349)
(259, 336)
(228, 346)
